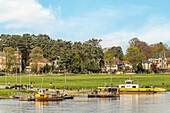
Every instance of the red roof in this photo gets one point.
(168, 60)
(126, 62)
(116, 61)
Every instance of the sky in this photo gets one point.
(113, 21)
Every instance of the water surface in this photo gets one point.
(144, 103)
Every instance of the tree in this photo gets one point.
(159, 48)
(75, 63)
(109, 58)
(35, 56)
(168, 52)
(134, 56)
(144, 48)
(10, 58)
(90, 54)
(134, 42)
(113, 52)
(65, 54)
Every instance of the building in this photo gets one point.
(18, 64)
(41, 63)
(55, 62)
(116, 65)
(168, 62)
(127, 65)
(2, 60)
(147, 64)
(18, 55)
(159, 61)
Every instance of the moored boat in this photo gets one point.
(68, 96)
(129, 87)
(26, 99)
(104, 92)
(42, 96)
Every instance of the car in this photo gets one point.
(22, 88)
(1, 74)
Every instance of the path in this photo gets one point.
(52, 90)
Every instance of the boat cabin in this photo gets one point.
(41, 91)
(129, 84)
(108, 89)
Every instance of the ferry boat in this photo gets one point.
(42, 96)
(134, 88)
(104, 92)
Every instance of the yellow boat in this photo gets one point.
(129, 87)
(42, 96)
(104, 92)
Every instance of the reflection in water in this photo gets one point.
(142, 103)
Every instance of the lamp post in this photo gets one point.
(29, 76)
(65, 76)
(20, 69)
(111, 77)
(16, 74)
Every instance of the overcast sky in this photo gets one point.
(113, 21)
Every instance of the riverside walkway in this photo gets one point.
(52, 90)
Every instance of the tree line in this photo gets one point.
(78, 57)
(75, 57)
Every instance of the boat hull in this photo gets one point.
(68, 97)
(26, 99)
(48, 99)
(107, 96)
(145, 90)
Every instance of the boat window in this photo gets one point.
(109, 89)
(133, 86)
(128, 82)
(41, 95)
(122, 86)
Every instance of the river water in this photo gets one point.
(127, 103)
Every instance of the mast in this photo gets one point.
(42, 83)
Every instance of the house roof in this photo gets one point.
(168, 60)
(126, 62)
(156, 57)
(147, 62)
(116, 61)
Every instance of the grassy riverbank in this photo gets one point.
(89, 81)
(8, 92)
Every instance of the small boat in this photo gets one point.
(26, 99)
(14, 97)
(129, 87)
(42, 96)
(105, 92)
(68, 96)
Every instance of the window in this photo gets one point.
(133, 86)
(160, 60)
(122, 86)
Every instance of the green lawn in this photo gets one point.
(89, 81)
(8, 92)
